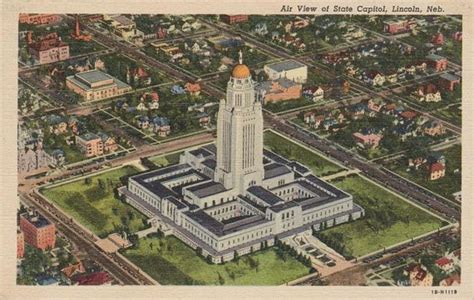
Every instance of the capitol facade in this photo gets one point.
(234, 196)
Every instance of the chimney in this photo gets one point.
(77, 31)
(29, 37)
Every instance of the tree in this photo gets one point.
(220, 279)
(87, 180)
(236, 256)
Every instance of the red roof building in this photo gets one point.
(48, 49)
(232, 19)
(452, 280)
(39, 19)
(436, 171)
(408, 114)
(438, 39)
(97, 278)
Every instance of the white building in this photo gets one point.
(290, 69)
(234, 196)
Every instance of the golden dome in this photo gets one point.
(240, 71)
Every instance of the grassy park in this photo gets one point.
(91, 201)
(388, 219)
(171, 262)
(290, 150)
(165, 160)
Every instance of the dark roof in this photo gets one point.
(326, 186)
(274, 157)
(275, 169)
(201, 152)
(265, 195)
(210, 163)
(284, 206)
(179, 204)
(211, 147)
(297, 167)
(207, 189)
(160, 172)
(36, 219)
(206, 221)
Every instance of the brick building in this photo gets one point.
(437, 62)
(90, 144)
(398, 26)
(20, 244)
(38, 231)
(48, 49)
(232, 19)
(39, 19)
(279, 90)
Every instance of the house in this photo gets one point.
(329, 123)
(376, 104)
(437, 62)
(289, 69)
(457, 196)
(434, 128)
(391, 77)
(204, 119)
(438, 39)
(109, 143)
(142, 106)
(449, 81)
(73, 269)
(357, 111)
(372, 140)
(416, 162)
(408, 115)
(436, 157)
(452, 280)
(161, 126)
(143, 122)
(58, 157)
(419, 275)
(436, 171)
(96, 278)
(374, 78)
(57, 124)
(194, 89)
(444, 263)
(457, 36)
(261, 29)
(389, 109)
(177, 90)
(313, 93)
(139, 75)
(278, 90)
(428, 93)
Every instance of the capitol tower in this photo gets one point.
(240, 133)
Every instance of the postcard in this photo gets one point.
(208, 150)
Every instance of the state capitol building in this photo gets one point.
(234, 196)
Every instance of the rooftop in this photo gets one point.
(207, 189)
(286, 65)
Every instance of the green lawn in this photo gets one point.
(389, 219)
(165, 160)
(290, 150)
(177, 264)
(445, 186)
(96, 207)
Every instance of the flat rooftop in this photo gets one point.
(286, 65)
